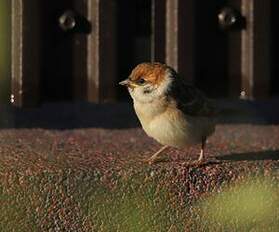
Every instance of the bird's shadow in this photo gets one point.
(251, 156)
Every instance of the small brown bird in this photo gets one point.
(170, 110)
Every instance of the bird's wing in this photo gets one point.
(191, 101)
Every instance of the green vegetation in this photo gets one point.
(250, 205)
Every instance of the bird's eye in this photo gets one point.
(141, 81)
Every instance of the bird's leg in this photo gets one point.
(155, 156)
(201, 157)
(200, 160)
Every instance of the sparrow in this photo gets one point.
(170, 110)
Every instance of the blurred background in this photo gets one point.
(79, 50)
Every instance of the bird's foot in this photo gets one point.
(155, 160)
(157, 156)
(202, 162)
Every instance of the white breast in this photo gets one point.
(170, 127)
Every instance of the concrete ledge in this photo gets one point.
(92, 178)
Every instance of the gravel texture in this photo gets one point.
(78, 167)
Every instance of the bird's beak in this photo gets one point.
(128, 83)
(125, 82)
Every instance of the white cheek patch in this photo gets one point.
(164, 86)
(138, 94)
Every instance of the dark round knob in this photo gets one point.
(67, 21)
(228, 18)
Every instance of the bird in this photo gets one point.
(172, 111)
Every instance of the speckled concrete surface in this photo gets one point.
(52, 159)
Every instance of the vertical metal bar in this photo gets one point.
(180, 36)
(158, 40)
(255, 49)
(5, 51)
(234, 59)
(25, 52)
(172, 33)
(80, 53)
(101, 57)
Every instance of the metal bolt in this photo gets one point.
(67, 21)
(243, 95)
(228, 17)
(12, 99)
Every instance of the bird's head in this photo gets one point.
(149, 81)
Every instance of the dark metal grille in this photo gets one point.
(79, 49)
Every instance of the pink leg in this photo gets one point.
(201, 157)
(155, 156)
